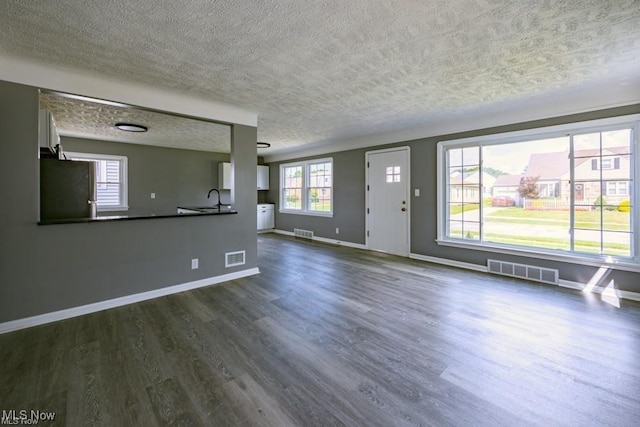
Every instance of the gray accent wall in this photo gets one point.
(349, 201)
(177, 177)
(55, 267)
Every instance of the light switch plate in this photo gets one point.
(416, 192)
(153, 195)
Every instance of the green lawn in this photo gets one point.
(320, 207)
(456, 209)
(587, 246)
(553, 220)
(612, 220)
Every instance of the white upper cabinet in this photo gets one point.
(263, 177)
(224, 176)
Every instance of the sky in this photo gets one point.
(513, 158)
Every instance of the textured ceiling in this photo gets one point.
(86, 119)
(331, 70)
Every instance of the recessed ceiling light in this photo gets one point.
(130, 127)
(263, 144)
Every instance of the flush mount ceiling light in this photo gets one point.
(263, 144)
(130, 127)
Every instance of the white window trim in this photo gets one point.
(305, 187)
(621, 263)
(124, 177)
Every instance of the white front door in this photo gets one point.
(388, 200)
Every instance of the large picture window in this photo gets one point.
(567, 190)
(307, 187)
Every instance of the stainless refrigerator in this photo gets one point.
(67, 189)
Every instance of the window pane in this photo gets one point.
(292, 199)
(617, 218)
(293, 177)
(112, 170)
(617, 142)
(471, 156)
(320, 199)
(471, 212)
(587, 241)
(455, 229)
(586, 145)
(471, 194)
(471, 230)
(454, 157)
(589, 218)
(616, 243)
(529, 193)
(464, 191)
(108, 194)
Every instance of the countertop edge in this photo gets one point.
(132, 217)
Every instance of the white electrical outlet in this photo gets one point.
(153, 195)
(417, 192)
(194, 264)
(337, 230)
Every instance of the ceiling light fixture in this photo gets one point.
(130, 127)
(263, 144)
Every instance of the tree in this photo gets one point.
(488, 170)
(528, 187)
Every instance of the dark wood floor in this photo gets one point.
(337, 336)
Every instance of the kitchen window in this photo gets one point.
(307, 187)
(111, 180)
(575, 200)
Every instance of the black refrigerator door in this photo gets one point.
(65, 189)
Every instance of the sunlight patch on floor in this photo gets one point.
(610, 295)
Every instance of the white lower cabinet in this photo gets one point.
(266, 216)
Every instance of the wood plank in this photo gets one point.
(337, 336)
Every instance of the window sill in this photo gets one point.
(307, 213)
(593, 261)
(113, 209)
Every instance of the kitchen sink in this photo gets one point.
(202, 209)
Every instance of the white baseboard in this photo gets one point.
(449, 262)
(634, 296)
(41, 319)
(571, 285)
(326, 240)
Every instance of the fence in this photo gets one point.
(556, 204)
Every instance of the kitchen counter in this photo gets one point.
(194, 211)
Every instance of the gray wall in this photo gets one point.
(349, 200)
(54, 267)
(178, 177)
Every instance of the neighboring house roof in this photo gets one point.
(507, 181)
(551, 166)
(470, 178)
(548, 165)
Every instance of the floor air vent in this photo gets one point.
(523, 271)
(231, 259)
(305, 234)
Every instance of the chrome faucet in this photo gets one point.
(217, 191)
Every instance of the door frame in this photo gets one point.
(407, 151)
